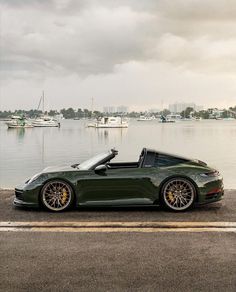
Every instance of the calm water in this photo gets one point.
(24, 152)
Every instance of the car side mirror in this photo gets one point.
(100, 169)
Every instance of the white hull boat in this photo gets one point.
(18, 122)
(109, 122)
(45, 122)
(12, 126)
(166, 120)
(146, 119)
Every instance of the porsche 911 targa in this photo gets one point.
(157, 178)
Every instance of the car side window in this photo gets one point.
(166, 160)
(149, 160)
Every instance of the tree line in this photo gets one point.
(79, 113)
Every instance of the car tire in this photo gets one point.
(57, 196)
(178, 194)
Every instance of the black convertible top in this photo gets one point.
(150, 157)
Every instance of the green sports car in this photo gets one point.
(156, 178)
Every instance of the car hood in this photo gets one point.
(58, 168)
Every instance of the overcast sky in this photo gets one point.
(126, 52)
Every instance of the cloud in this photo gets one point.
(200, 54)
(44, 40)
(92, 42)
(92, 37)
(195, 10)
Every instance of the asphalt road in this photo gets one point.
(118, 261)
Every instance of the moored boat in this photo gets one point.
(19, 122)
(146, 118)
(173, 117)
(110, 122)
(164, 119)
(45, 121)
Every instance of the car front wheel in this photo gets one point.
(178, 194)
(57, 195)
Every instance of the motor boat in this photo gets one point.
(146, 118)
(164, 119)
(110, 122)
(19, 122)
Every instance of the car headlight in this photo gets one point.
(33, 178)
(213, 173)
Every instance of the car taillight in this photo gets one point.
(214, 191)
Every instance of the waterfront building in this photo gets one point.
(122, 109)
(215, 113)
(113, 109)
(179, 107)
(109, 109)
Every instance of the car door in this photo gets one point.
(123, 186)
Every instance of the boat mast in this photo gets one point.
(92, 101)
(92, 104)
(39, 103)
(43, 101)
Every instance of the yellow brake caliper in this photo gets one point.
(171, 196)
(63, 196)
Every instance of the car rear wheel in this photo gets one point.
(57, 195)
(178, 194)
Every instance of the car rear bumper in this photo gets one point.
(212, 191)
(212, 198)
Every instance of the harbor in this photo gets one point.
(28, 151)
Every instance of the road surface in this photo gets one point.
(121, 249)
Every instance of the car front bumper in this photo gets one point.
(26, 197)
(20, 203)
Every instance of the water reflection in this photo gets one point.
(42, 148)
(111, 135)
(20, 133)
(24, 152)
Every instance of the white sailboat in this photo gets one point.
(45, 120)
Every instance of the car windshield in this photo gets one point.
(88, 164)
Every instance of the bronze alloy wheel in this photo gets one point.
(178, 194)
(57, 195)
